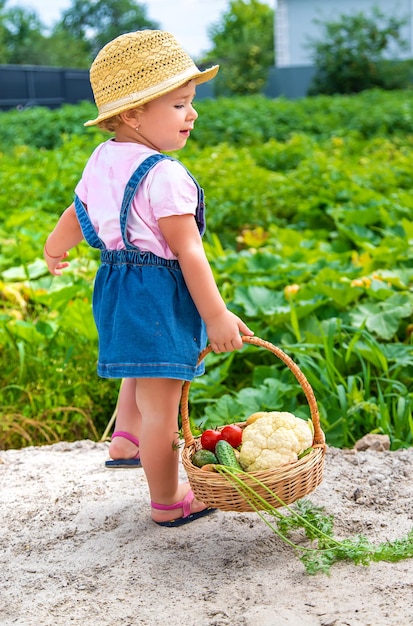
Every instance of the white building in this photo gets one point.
(296, 24)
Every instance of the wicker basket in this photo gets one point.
(289, 482)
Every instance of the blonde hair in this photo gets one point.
(112, 123)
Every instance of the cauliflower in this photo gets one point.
(274, 439)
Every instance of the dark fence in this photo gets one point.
(30, 85)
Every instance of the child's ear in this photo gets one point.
(130, 117)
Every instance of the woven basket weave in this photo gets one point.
(289, 482)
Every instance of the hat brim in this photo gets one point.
(198, 76)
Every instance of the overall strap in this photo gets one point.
(86, 225)
(133, 184)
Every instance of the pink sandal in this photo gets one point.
(185, 505)
(118, 463)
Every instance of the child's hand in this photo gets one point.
(224, 332)
(55, 264)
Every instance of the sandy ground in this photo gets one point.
(77, 546)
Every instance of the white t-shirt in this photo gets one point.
(167, 190)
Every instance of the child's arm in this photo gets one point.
(66, 235)
(223, 327)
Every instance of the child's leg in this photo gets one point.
(128, 420)
(158, 400)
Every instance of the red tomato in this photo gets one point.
(210, 438)
(233, 434)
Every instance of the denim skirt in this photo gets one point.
(147, 322)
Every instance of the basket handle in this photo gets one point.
(305, 385)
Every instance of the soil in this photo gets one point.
(77, 546)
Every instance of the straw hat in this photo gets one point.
(138, 67)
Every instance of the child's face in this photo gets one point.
(167, 121)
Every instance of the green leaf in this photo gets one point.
(383, 318)
(59, 298)
(26, 331)
(78, 317)
(339, 293)
(257, 300)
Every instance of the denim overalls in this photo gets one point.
(147, 322)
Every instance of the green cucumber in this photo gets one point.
(226, 455)
(203, 457)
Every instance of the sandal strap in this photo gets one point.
(185, 505)
(125, 435)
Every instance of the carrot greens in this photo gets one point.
(324, 549)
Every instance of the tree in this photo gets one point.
(95, 22)
(64, 50)
(75, 39)
(353, 54)
(243, 47)
(21, 37)
(3, 34)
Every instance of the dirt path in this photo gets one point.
(77, 547)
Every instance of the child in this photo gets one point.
(155, 300)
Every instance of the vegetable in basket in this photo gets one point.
(225, 454)
(273, 439)
(233, 434)
(210, 438)
(204, 457)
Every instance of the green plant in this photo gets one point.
(244, 46)
(350, 54)
(248, 121)
(48, 342)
